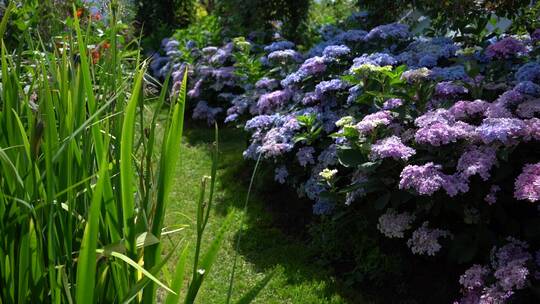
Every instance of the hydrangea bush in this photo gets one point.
(440, 140)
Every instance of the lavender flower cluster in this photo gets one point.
(511, 269)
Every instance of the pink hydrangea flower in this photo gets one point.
(527, 186)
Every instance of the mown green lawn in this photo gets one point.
(264, 248)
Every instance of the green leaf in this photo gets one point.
(350, 157)
(382, 201)
(86, 266)
(5, 19)
(134, 265)
(178, 279)
(203, 269)
(126, 166)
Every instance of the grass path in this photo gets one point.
(264, 248)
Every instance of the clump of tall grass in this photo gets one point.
(85, 180)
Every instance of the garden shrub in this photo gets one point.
(262, 16)
(158, 18)
(429, 140)
(463, 16)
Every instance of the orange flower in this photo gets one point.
(95, 55)
(106, 45)
(80, 12)
(96, 16)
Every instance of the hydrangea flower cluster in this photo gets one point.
(528, 183)
(386, 112)
(425, 241)
(510, 270)
(393, 224)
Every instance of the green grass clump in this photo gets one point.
(86, 179)
(264, 249)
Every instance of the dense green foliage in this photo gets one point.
(465, 17)
(263, 17)
(86, 177)
(158, 18)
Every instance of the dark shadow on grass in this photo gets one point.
(275, 230)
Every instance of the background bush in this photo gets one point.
(256, 16)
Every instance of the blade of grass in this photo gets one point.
(86, 266)
(178, 279)
(126, 166)
(136, 266)
(204, 268)
(235, 259)
(5, 19)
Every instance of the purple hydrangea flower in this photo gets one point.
(204, 112)
(271, 101)
(209, 50)
(425, 179)
(393, 224)
(477, 160)
(442, 133)
(354, 93)
(323, 207)
(313, 188)
(336, 51)
(391, 147)
(512, 275)
(313, 65)
(305, 156)
(447, 89)
(511, 97)
(417, 75)
(491, 197)
(292, 79)
(425, 240)
(284, 56)
(527, 186)
(466, 109)
(474, 277)
(532, 129)
(195, 92)
(505, 130)
(392, 103)
(372, 121)
(498, 109)
(259, 122)
(455, 184)
(281, 174)
(279, 45)
(310, 98)
(425, 52)
(275, 143)
(389, 31)
(506, 48)
(439, 115)
(351, 36)
(328, 156)
(219, 57)
(324, 87)
(528, 87)
(514, 250)
(267, 83)
(528, 108)
(377, 59)
(456, 72)
(535, 36)
(529, 72)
